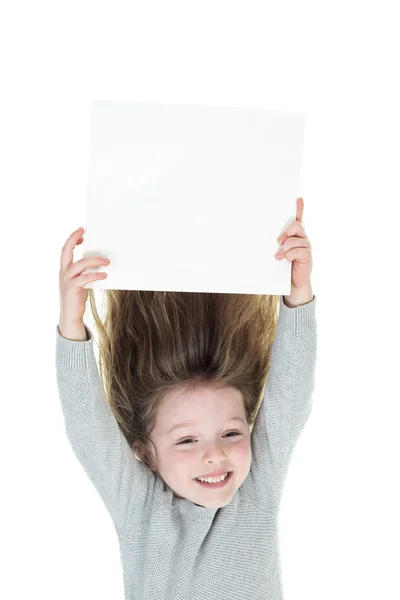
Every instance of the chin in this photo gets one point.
(217, 504)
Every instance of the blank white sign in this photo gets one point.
(191, 198)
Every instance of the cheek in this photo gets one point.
(179, 464)
(241, 451)
(185, 462)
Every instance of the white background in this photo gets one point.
(337, 63)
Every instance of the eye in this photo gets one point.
(183, 441)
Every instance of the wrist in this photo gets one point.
(299, 297)
(73, 332)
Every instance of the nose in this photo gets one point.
(214, 454)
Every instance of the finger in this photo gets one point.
(303, 255)
(300, 209)
(299, 216)
(67, 250)
(296, 242)
(293, 243)
(295, 229)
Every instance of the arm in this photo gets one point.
(287, 400)
(93, 432)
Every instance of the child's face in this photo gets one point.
(209, 443)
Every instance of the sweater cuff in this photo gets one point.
(73, 354)
(298, 319)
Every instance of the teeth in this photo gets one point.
(213, 479)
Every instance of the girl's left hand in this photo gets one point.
(297, 249)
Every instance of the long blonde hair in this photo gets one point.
(154, 342)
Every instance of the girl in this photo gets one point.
(210, 393)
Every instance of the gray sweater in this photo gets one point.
(170, 548)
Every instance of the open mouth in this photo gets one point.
(218, 485)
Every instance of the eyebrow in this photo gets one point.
(190, 424)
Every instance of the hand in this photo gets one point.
(72, 295)
(297, 250)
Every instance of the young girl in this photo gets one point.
(194, 385)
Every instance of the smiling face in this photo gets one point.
(216, 437)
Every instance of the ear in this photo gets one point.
(137, 451)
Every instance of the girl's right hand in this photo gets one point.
(72, 295)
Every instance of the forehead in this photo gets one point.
(203, 403)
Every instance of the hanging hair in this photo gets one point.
(153, 342)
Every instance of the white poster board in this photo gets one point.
(191, 198)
